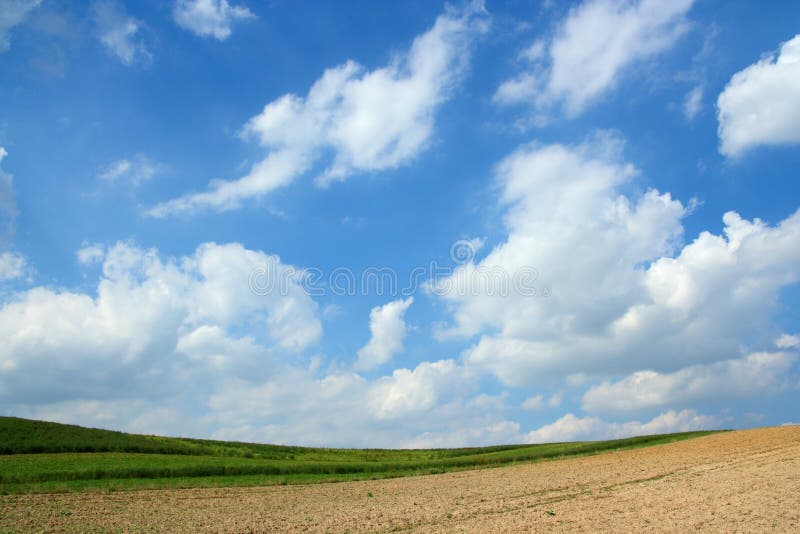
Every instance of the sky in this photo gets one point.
(405, 224)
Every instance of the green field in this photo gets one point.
(37, 456)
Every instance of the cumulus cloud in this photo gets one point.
(133, 171)
(368, 120)
(406, 392)
(403, 409)
(591, 50)
(14, 12)
(754, 375)
(209, 18)
(388, 329)
(573, 428)
(183, 346)
(761, 104)
(626, 295)
(120, 33)
(66, 345)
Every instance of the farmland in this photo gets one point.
(741, 481)
(50, 457)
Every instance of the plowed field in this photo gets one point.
(735, 481)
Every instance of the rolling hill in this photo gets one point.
(38, 456)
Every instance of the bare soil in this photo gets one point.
(736, 481)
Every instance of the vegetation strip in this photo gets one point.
(35, 452)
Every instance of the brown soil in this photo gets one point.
(737, 481)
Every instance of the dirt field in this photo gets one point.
(737, 481)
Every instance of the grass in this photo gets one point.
(37, 456)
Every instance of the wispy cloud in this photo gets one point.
(591, 49)
(13, 13)
(133, 171)
(120, 33)
(369, 120)
(693, 102)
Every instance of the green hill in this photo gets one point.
(18, 436)
(42, 456)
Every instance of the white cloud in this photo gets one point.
(787, 341)
(182, 346)
(572, 428)
(755, 375)
(209, 18)
(625, 295)
(534, 403)
(388, 329)
(761, 104)
(592, 48)
(12, 266)
(431, 403)
(693, 102)
(498, 433)
(120, 33)
(134, 171)
(368, 120)
(112, 171)
(406, 392)
(538, 402)
(13, 13)
(90, 254)
(68, 345)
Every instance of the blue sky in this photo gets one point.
(162, 159)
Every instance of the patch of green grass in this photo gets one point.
(19, 436)
(50, 457)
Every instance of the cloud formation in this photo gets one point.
(368, 120)
(209, 18)
(594, 46)
(760, 106)
(388, 329)
(573, 428)
(68, 345)
(182, 345)
(626, 294)
(755, 375)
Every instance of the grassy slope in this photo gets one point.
(40, 456)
